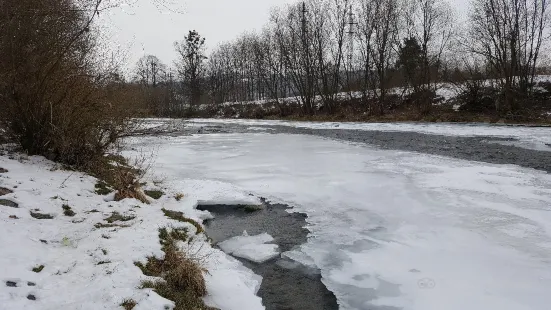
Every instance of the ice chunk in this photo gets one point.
(253, 248)
(257, 253)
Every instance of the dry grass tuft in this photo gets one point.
(102, 188)
(116, 217)
(182, 276)
(179, 216)
(128, 185)
(120, 176)
(155, 194)
(179, 196)
(179, 234)
(67, 211)
(128, 304)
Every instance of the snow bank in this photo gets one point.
(85, 267)
(253, 248)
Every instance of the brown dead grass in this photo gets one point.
(117, 174)
(179, 216)
(128, 185)
(179, 196)
(128, 304)
(183, 279)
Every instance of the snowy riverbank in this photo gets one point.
(50, 260)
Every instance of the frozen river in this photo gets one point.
(391, 229)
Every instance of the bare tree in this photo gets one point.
(431, 24)
(367, 10)
(385, 40)
(295, 43)
(191, 65)
(150, 70)
(509, 35)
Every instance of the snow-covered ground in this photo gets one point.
(536, 138)
(85, 267)
(390, 228)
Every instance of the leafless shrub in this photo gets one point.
(57, 99)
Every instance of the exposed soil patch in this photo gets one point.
(5, 191)
(9, 203)
(41, 216)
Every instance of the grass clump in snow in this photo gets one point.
(178, 196)
(8, 203)
(116, 174)
(102, 188)
(41, 216)
(182, 276)
(116, 216)
(128, 304)
(5, 191)
(179, 216)
(67, 211)
(155, 194)
(102, 225)
(173, 234)
(38, 269)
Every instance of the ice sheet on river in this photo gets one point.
(532, 138)
(392, 229)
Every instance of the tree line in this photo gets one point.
(321, 52)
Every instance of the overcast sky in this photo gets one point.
(145, 28)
